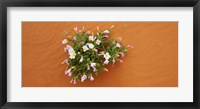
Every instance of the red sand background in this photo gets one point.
(152, 62)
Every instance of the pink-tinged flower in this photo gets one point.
(64, 41)
(130, 46)
(74, 81)
(121, 53)
(118, 45)
(71, 81)
(95, 50)
(93, 66)
(88, 32)
(88, 67)
(69, 74)
(68, 71)
(92, 38)
(106, 36)
(65, 61)
(105, 62)
(65, 49)
(112, 26)
(94, 69)
(75, 29)
(82, 43)
(68, 47)
(98, 41)
(119, 38)
(83, 78)
(120, 60)
(74, 38)
(91, 78)
(102, 52)
(80, 31)
(106, 31)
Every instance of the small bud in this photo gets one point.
(97, 28)
(112, 26)
(105, 69)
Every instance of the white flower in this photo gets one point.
(64, 41)
(98, 41)
(118, 45)
(85, 48)
(72, 53)
(92, 38)
(107, 56)
(93, 64)
(81, 60)
(90, 45)
(68, 71)
(71, 50)
(83, 78)
(106, 31)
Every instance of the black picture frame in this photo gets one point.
(99, 3)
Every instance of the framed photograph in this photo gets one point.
(100, 54)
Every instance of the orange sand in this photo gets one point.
(153, 62)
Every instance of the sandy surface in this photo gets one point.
(153, 62)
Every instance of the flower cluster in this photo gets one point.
(90, 53)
